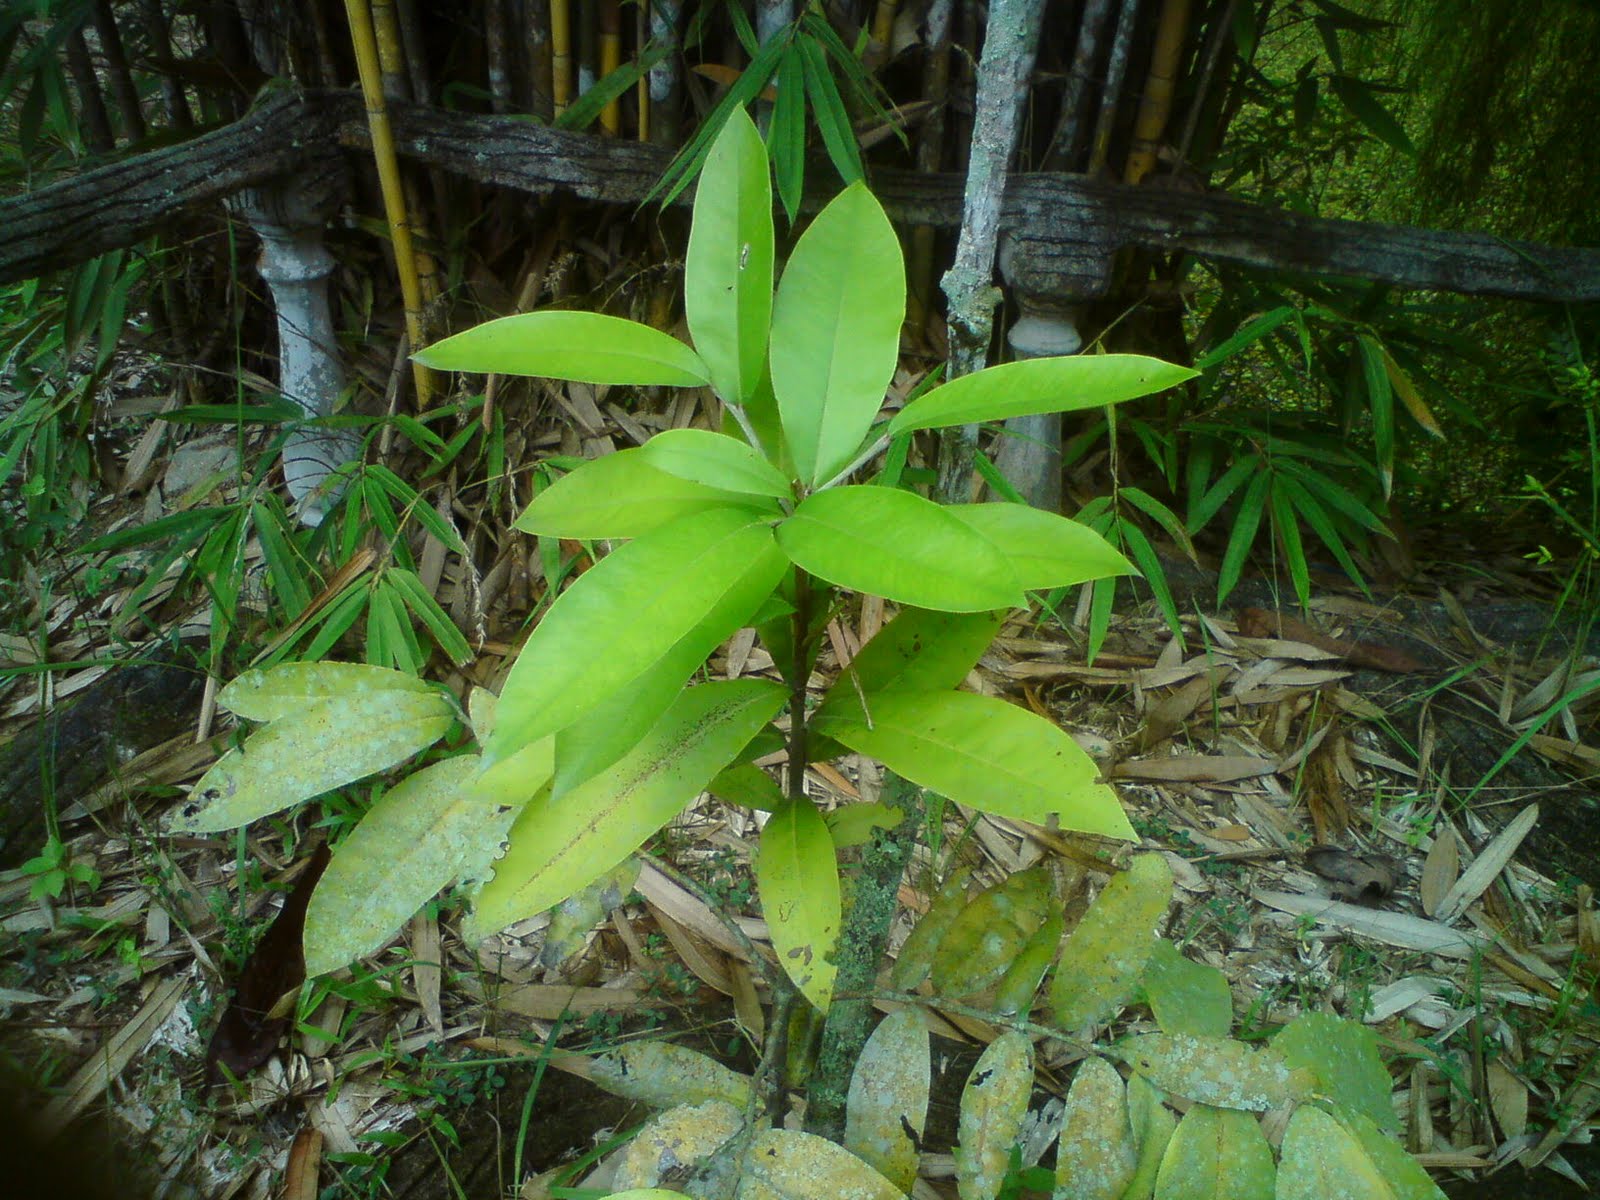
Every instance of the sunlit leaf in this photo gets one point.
(715, 460)
(982, 751)
(1045, 549)
(583, 346)
(624, 495)
(1217, 1152)
(290, 688)
(797, 877)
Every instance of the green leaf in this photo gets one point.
(1153, 1125)
(749, 785)
(1064, 383)
(587, 107)
(983, 752)
(1408, 1178)
(797, 877)
(427, 610)
(1294, 552)
(915, 960)
(727, 272)
(582, 346)
(1097, 1153)
(1018, 988)
(1216, 1071)
(715, 460)
(1358, 97)
(1217, 1152)
(596, 637)
(836, 332)
(1320, 1160)
(1380, 401)
(604, 734)
(991, 932)
(853, 824)
(321, 747)
(1185, 996)
(1105, 955)
(1343, 1056)
(282, 691)
(1243, 535)
(1045, 549)
(898, 545)
(786, 135)
(919, 650)
(887, 1108)
(1251, 331)
(993, 1105)
(408, 846)
(559, 846)
(623, 495)
(828, 107)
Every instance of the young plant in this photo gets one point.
(598, 739)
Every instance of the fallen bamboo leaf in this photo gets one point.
(1476, 879)
(1194, 768)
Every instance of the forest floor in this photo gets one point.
(1327, 788)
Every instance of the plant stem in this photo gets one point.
(862, 941)
(800, 623)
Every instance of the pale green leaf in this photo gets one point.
(572, 919)
(797, 877)
(558, 846)
(410, 844)
(281, 691)
(1217, 1152)
(1153, 1125)
(993, 1104)
(986, 936)
(1039, 385)
(836, 331)
(324, 746)
(716, 460)
(1105, 955)
(1185, 996)
(984, 752)
(898, 545)
(852, 824)
(1045, 549)
(727, 271)
(749, 785)
(623, 495)
(1343, 1055)
(1216, 1071)
(663, 1074)
(582, 346)
(620, 617)
(1320, 1160)
(1019, 986)
(1097, 1154)
(919, 650)
(888, 1101)
(1405, 1175)
(785, 1164)
(915, 960)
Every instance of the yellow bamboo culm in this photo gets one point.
(560, 55)
(610, 60)
(1156, 105)
(397, 86)
(883, 23)
(365, 42)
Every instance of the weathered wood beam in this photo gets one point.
(1064, 228)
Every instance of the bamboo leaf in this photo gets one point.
(786, 136)
(1243, 535)
(727, 272)
(898, 545)
(827, 106)
(321, 747)
(836, 331)
(582, 346)
(1065, 383)
(679, 573)
(559, 846)
(797, 877)
(983, 752)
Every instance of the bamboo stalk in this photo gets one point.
(364, 40)
(930, 157)
(122, 88)
(610, 59)
(666, 77)
(157, 37)
(397, 86)
(495, 37)
(97, 134)
(1160, 83)
(1075, 100)
(641, 90)
(1116, 72)
(560, 55)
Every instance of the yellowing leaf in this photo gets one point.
(1217, 1152)
(1019, 986)
(797, 877)
(1409, 396)
(1105, 955)
(290, 688)
(664, 1074)
(1216, 1071)
(1319, 1160)
(1096, 1155)
(670, 1142)
(560, 845)
(915, 960)
(989, 934)
(888, 1102)
(993, 1104)
(408, 846)
(323, 746)
(785, 1164)
(982, 751)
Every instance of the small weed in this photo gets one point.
(53, 869)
